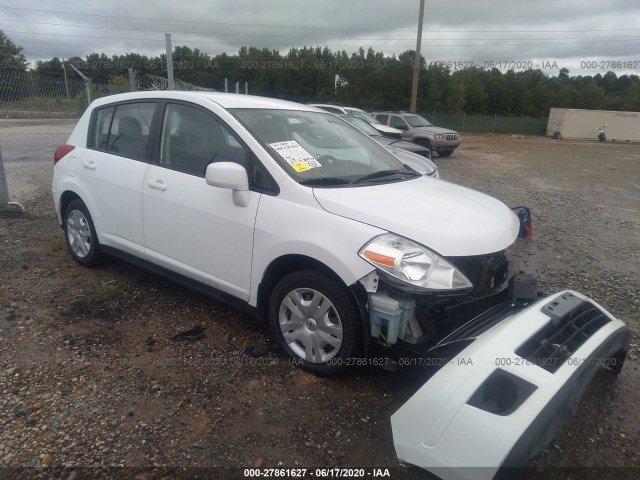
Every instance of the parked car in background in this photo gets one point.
(419, 130)
(385, 130)
(412, 154)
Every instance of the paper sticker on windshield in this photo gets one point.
(295, 155)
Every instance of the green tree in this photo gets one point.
(11, 56)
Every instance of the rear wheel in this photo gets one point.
(314, 322)
(80, 234)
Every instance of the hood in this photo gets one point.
(408, 146)
(434, 129)
(398, 144)
(419, 163)
(387, 131)
(447, 218)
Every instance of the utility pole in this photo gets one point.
(172, 82)
(416, 63)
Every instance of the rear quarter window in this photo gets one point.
(123, 129)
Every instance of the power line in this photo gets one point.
(502, 43)
(502, 39)
(307, 27)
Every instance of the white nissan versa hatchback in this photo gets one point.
(304, 220)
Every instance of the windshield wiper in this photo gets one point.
(386, 173)
(324, 181)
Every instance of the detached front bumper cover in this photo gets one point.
(503, 398)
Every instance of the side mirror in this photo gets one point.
(231, 176)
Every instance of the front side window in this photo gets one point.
(382, 118)
(192, 139)
(320, 149)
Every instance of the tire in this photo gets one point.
(423, 142)
(445, 153)
(80, 234)
(315, 323)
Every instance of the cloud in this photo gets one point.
(567, 32)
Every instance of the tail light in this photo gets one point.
(61, 151)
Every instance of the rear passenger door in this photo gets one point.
(112, 172)
(190, 227)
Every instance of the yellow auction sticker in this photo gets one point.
(300, 166)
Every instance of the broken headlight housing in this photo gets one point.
(408, 264)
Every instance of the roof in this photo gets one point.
(226, 100)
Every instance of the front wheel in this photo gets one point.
(80, 234)
(314, 322)
(423, 142)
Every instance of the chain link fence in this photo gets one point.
(515, 125)
(38, 113)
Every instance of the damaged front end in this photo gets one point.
(512, 367)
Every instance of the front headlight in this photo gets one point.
(413, 264)
(439, 136)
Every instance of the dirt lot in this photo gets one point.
(91, 379)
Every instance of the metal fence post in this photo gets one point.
(464, 117)
(522, 126)
(132, 80)
(4, 188)
(5, 204)
(495, 118)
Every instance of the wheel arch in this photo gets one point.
(290, 263)
(65, 200)
(282, 266)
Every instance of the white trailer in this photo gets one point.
(574, 123)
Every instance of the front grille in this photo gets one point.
(573, 322)
(451, 136)
(487, 273)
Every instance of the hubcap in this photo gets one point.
(78, 233)
(310, 325)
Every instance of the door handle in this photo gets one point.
(158, 185)
(89, 164)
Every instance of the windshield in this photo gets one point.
(321, 149)
(417, 121)
(363, 115)
(362, 125)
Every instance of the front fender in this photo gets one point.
(312, 232)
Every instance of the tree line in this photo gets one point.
(367, 79)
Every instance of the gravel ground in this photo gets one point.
(91, 378)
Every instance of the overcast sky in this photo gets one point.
(582, 35)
